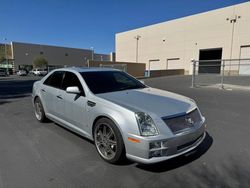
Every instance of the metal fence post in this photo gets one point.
(149, 68)
(222, 76)
(88, 63)
(193, 75)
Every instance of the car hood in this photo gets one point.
(151, 101)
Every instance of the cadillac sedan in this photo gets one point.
(123, 116)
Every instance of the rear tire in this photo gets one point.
(39, 110)
(108, 141)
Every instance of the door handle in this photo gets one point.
(43, 90)
(91, 103)
(59, 97)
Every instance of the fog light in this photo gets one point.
(165, 144)
(156, 153)
(164, 152)
(154, 145)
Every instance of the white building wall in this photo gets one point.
(183, 38)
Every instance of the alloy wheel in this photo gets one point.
(105, 141)
(38, 109)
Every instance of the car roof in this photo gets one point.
(88, 69)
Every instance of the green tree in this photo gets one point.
(40, 62)
(2, 59)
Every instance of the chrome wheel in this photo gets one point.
(38, 110)
(105, 141)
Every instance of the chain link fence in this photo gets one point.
(221, 72)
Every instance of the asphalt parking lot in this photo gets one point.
(46, 155)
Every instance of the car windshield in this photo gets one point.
(110, 81)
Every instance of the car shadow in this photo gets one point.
(181, 160)
(162, 166)
(4, 102)
(124, 162)
(72, 132)
(11, 89)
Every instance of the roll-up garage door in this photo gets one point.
(155, 64)
(244, 64)
(174, 63)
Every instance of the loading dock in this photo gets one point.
(210, 54)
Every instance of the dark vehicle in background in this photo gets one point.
(3, 72)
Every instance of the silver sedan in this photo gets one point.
(123, 116)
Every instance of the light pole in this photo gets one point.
(85, 61)
(92, 53)
(137, 37)
(232, 21)
(6, 56)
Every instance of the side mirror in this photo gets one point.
(73, 90)
(142, 81)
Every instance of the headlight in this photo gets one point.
(146, 124)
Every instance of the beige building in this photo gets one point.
(219, 34)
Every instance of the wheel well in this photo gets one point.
(102, 116)
(35, 98)
(96, 119)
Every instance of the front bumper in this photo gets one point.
(172, 147)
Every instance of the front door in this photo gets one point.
(74, 104)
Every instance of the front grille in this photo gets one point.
(186, 145)
(186, 121)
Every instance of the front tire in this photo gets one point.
(108, 141)
(39, 110)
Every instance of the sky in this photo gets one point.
(90, 23)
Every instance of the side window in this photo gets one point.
(70, 79)
(47, 81)
(55, 80)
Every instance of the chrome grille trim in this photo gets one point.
(183, 121)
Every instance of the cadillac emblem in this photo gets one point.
(189, 121)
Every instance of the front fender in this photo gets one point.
(123, 119)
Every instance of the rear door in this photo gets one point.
(46, 97)
(51, 92)
(74, 104)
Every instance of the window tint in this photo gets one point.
(69, 80)
(122, 79)
(110, 81)
(56, 79)
(47, 81)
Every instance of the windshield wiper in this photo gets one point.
(132, 87)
